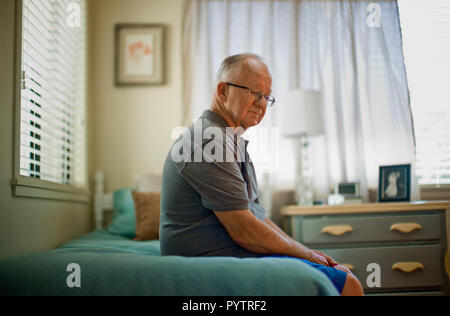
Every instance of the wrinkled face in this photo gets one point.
(241, 104)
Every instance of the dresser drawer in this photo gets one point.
(395, 264)
(366, 228)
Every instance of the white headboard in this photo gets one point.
(102, 201)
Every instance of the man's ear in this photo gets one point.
(222, 91)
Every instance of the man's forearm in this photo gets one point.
(261, 237)
(278, 229)
(267, 238)
(314, 253)
(281, 232)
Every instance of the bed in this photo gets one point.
(107, 263)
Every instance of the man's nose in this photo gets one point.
(261, 103)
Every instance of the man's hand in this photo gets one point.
(323, 259)
(312, 255)
(315, 257)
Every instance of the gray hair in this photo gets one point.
(231, 62)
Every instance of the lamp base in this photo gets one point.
(304, 193)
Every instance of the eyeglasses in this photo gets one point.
(270, 100)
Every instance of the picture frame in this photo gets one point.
(395, 183)
(139, 54)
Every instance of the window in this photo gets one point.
(52, 98)
(426, 44)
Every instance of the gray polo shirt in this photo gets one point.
(200, 183)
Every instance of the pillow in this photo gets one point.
(148, 183)
(124, 220)
(147, 209)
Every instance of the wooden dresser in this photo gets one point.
(393, 248)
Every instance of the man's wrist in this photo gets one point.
(300, 250)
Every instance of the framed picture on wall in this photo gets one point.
(139, 54)
(395, 183)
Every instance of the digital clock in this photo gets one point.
(349, 189)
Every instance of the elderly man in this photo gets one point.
(210, 207)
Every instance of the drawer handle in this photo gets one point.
(408, 267)
(337, 230)
(406, 228)
(348, 266)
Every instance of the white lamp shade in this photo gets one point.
(302, 113)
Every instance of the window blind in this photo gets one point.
(426, 44)
(53, 132)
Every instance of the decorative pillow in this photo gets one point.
(124, 219)
(147, 209)
(148, 183)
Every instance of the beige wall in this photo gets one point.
(131, 126)
(27, 225)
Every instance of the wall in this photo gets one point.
(27, 225)
(131, 126)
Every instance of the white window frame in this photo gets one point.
(23, 186)
(430, 190)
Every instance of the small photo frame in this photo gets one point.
(139, 54)
(395, 183)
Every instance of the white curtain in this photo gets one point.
(332, 46)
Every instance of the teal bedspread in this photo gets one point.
(114, 265)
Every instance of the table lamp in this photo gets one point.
(302, 118)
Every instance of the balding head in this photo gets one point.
(231, 65)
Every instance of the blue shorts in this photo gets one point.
(336, 276)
